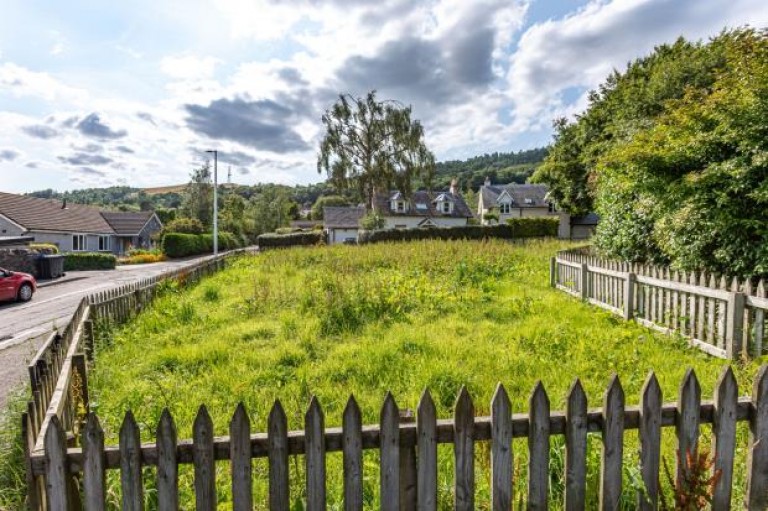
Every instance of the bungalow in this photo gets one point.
(341, 224)
(513, 201)
(75, 227)
(423, 209)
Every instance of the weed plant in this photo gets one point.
(344, 320)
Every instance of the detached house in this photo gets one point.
(514, 201)
(75, 227)
(423, 209)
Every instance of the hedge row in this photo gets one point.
(82, 261)
(515, 228)
(176, 244)
(534, 227)
(273, 240)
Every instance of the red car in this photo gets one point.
(15, 285)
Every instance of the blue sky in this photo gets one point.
(104, 93)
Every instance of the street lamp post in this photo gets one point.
(215, 201)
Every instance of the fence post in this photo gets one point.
(89, 340)
(584, 282)
(79, 367)
(552, 272)
(408, 485)
(629, 296)
(735, 333)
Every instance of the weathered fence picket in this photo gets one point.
(60, 464)
(726, 321)
(58, 375)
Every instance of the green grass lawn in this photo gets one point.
(364, 320)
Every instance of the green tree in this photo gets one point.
(232, 216)
(198, 196)
(692, 189)
(627, 103)
(372, 145)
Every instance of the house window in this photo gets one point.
(78, 243)
(103, 243)
(551, 206)
(505, 209)
(446, 207)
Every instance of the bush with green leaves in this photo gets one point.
(372, 222)
(515, 228)
(44, 248)
(176, 244)
(82, 261)
(672, 154)
(185, 226)
(273, 240)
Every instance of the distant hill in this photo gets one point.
(502, 168)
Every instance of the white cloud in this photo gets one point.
(187, 67)
(20, 81)
(580, 50)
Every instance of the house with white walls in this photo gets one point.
(502, 202)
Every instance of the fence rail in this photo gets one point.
(408, 451)
(725, 318)
(58, 371)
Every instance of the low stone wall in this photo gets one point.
(18, 260)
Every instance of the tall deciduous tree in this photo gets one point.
(198, 196)
(372, 146)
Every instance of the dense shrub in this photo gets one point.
(534, 227)
(143, 251)
(516, 228)
(272, 240)
(143, 258)
(44, 248)
(182, 245)
(184, 226)
(176, 244)
(80, 261)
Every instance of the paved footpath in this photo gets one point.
(24, 327)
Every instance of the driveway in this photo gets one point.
(24, 327)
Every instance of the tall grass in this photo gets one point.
(12, 474)
(364, 320)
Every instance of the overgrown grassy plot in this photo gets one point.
(364, 320)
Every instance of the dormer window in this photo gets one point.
(398, 206)
(446, 207)
(529, 201)
(505, 208)
(397, 203)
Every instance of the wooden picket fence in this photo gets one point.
(75, 476)
(58, 371)
(723, 317)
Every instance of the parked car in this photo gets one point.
(15, 285)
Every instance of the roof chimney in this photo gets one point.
(64, 204)
(454, 186)
(487, 180)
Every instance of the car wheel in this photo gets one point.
(25, 293)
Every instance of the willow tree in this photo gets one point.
(373, 146)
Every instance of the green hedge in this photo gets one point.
(534, 227)
(515, 228)
(81, 261)
(273, 240)
(176, 244)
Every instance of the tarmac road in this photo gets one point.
(24, 326)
